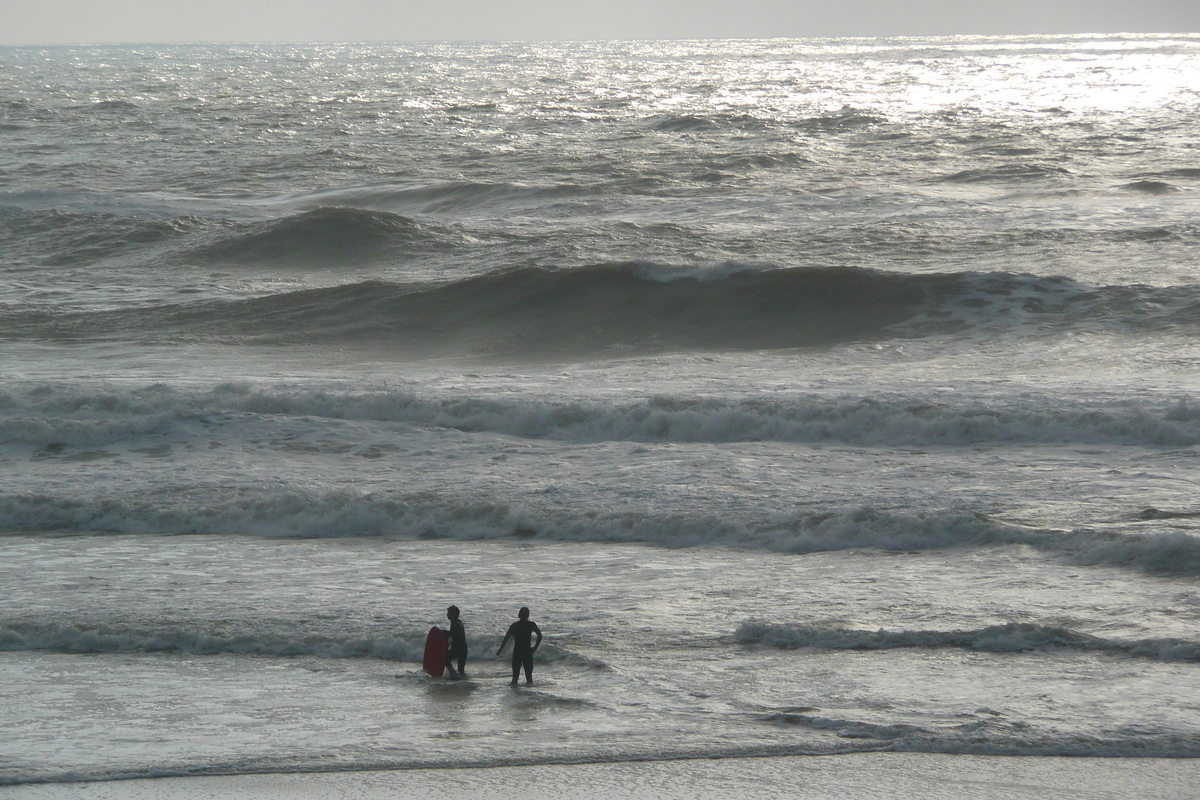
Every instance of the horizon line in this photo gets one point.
(297, 42)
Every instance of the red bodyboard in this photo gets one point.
(437, 646)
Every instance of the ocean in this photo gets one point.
(816, 396)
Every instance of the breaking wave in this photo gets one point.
(84, 638)
(300, 514)
(48, 415)
(99, 638)
(1009, 638)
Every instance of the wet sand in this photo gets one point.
(881, 776)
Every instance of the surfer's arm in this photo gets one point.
(537, 632)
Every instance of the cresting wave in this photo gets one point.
(326, 236)
(382, 226)
(55, 417)
(533, 312)
(1009, 638)
(636, 308)
(341, 514)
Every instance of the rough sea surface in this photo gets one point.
(816, 395)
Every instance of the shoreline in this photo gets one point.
(880, 775)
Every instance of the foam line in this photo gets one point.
(288, 513)
(86, 637)
(1008, 638)
(46, 414)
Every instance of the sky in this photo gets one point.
(97, 21)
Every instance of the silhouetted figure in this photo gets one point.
(458, 645)
(522, 632)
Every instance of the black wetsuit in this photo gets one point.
(458, 646)
(522, 632)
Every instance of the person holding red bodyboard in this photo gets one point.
(444, 647)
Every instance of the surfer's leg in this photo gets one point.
(527, 662)
(516, 668)
(462, 666)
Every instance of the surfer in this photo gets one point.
(458, 645)
(522, 632)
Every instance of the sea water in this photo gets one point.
(816, 395)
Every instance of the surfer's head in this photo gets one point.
(452, 612)
(524, 612)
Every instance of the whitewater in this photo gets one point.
(817, 396)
